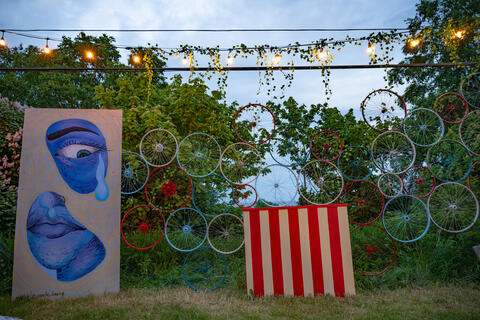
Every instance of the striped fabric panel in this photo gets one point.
(301, 251)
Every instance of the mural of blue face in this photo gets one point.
(60, 242)
(80, 153)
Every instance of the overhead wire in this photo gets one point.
(210, 30)
(130, 47)
(255, 68)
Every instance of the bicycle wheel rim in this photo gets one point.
(135, 172)
(424, 127)
(451, 107)
(469, 132)
(449, 201)
(158, 147)
(355, 163)
(393, 152)
(202, 275)
(470, 90)
(365, 202)
(253, 114)
(418, 181)
(143, 228)
(403, 215)
(320, 178)
(174, 187)
(245, 199)
(277, 188)
(367, 249)
(212, 195)
(199, 154)
(376, 112)
(225, 233)
(326, 145)
(186, 229)
(238, 161)
(449, 160)
(390, 185)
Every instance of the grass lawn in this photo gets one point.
(432, 302)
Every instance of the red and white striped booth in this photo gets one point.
(301, 251)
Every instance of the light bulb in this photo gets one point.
(89, 54)
(185, 60)
(276, 59)
(459, 34)
(229, 60)
(136, 59)
(3, 43)
(322, 55)
(46, 49)
(371, 49)
(413, 43)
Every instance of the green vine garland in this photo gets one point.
(320, 52)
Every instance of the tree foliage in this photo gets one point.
(63, 89)
(435, 25)
(180, 107)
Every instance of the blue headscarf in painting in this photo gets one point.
(80, 153)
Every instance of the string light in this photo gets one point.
(413, 43)
(229, 59)
(370, 49)
(459, 34)
(3, 43)
(46, 49)
(89, 54)
(289, 46)
(136, 59)
(322, 55)
(276, 59)
(185, 60)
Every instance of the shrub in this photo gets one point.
(11, 120)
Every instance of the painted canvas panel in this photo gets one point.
(301, 251)
(68, 210)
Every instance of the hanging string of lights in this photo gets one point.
(379, 42)
(188, 57)
(321, 54)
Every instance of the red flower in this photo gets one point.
(169, 189)
(143, 227)
(369, 249)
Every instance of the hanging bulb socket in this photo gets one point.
(46, 49)
(276, 59)
(370, 49)
(3, 43)
(229, 58)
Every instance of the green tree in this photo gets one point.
(436, 24)
(180, 107)
(313, 118)
(65, 89)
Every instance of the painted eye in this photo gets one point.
(77, 151)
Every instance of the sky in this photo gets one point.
(349, 87)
